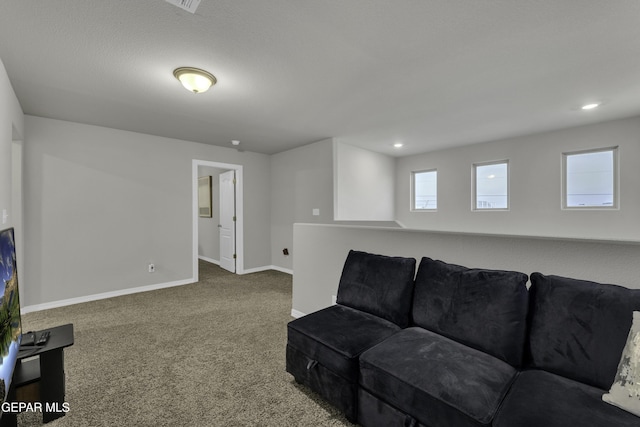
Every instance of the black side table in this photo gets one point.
(40, 377)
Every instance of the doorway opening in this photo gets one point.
(235, 197)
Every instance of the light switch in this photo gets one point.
(316, 212)
(5, 215)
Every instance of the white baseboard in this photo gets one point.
(78, 300)
(265, 268)
(282, 269)
(211, 260)
(297, 314)
(250, 270)
(111, 294)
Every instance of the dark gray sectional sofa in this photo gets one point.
(464, 347)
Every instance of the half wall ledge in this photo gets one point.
(322, 248)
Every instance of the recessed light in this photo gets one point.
(398, 145)
(590, 106)
(235, 142)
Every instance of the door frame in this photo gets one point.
(239, 212)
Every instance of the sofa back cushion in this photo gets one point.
(378, 284)
(579, 328)
(484, 309)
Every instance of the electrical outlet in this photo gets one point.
(333, 300)
(152, 268)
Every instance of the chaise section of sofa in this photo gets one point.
(458, 361)
(578, 330)
(373, 303)
(323, 349)
(433, 380)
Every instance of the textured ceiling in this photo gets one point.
(428, 73)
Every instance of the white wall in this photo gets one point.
(535, 185)
(100, 204)
(208, 231)
(363, 184)
(11, 128)
(301, 181)
(11, 135)
(322, 249)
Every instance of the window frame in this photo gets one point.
(412, 201)
(616, 179)
(474, 184)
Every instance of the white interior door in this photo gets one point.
(227, 224)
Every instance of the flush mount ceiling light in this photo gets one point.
(194, 79)
(398, 145)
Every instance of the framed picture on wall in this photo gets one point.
(204, 196)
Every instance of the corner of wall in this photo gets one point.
(364, 184)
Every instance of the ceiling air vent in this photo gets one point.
(188, 5)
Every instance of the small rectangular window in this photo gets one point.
(590, 179)
(425, 190)
(491, 185)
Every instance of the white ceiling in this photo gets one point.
(428, 73)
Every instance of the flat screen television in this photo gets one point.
(10, 324)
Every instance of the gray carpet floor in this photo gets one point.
(206, 354)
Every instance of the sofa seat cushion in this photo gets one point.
(435, 380)
(336, 336)
(542, 399)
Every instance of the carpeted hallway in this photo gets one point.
(205, 354)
